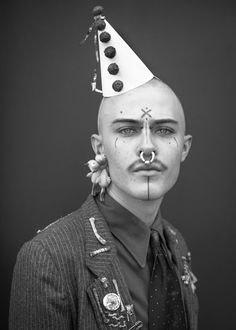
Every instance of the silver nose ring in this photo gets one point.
(147, 161)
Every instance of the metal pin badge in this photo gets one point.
(111, 301)
(99, 238)
(188, 277)
(104, 281)
(95, 252)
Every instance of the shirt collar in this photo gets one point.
(132, 232)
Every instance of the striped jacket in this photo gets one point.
(63, 274)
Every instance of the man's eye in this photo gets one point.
(127, 131)
(164, 131)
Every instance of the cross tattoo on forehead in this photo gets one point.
(146, 112)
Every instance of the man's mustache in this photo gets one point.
(156, 165)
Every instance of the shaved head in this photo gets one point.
(161, 92)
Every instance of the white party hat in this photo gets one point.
(121, 69)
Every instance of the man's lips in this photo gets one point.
(151, 167)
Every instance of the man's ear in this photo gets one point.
(186, 147)
(96, 141)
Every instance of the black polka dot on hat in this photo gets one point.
(110, 52)
(117, 85)
(105, 36)
(100, 24)
(113, 68)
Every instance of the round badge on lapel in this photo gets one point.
(111, 301)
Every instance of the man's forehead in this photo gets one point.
(146, 102)
(153, 100)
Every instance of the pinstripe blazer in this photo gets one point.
(63, 274)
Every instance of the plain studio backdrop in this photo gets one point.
(48, 113)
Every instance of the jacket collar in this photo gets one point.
(97, 259)
(98, 256)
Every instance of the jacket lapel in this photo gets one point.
(108, 292)
(181, 259)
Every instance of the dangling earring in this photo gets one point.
(99, 175)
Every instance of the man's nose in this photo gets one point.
(147, 145)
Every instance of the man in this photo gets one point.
(115, 262)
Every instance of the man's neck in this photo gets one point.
(145, 210)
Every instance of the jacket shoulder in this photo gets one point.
(62, 239)
(66, 224)
(66, 236)
(58, 243)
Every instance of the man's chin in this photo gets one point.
(151, 197)
(138, 191)
(147, 195)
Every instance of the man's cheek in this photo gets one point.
(119, 142)
(112, 146)
(172, 153)
(174, 142)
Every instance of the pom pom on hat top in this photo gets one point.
(121, 69)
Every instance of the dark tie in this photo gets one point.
(166, 307)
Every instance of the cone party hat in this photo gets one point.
(121, 69)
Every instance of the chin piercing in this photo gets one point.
(147, 161)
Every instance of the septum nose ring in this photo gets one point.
(147, 161)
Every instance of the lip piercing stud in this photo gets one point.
(148, 161)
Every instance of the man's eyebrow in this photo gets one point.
(164, 121)
(138, 121)
(126, 120)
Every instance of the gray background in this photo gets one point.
(48, 114)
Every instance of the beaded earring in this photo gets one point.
(99, 175)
